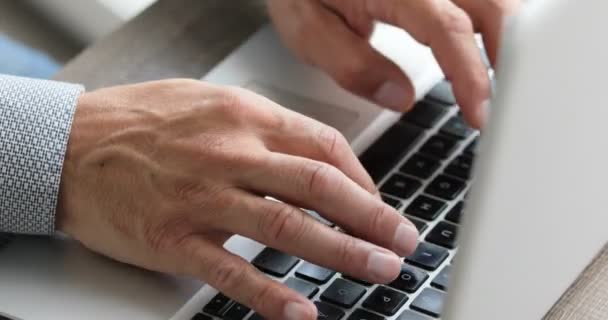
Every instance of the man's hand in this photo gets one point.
(334, 34)
(161, 174)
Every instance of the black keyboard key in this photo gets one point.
(256, 316)
(461, 167)
(198, 316)
(425, 114)
(410, 279)
(439, 146)
(302, 287)
(420, 225)
(471, 149)
(401, 186)
(385, 301)
(389, 149)
(361, 314)
(430, 301)
(428, 256)
(444, 234)
(395, 203)
(456, 127)
(425, 208)
(442, 280)
(411, 315)
(446, 187)
(442, 93)
(455, 214)
(343, 293)
(359, 281)
(217, 305)
(420, 166)
(314, 273)
(274, 262)
(328, 312)
(236, 312)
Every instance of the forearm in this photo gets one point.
(35, 121)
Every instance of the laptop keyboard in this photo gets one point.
(422, 166)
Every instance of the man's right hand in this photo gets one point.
(334, 36)
(161, 174)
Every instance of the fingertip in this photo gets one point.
(479, 118)
(383, 266)
(298, 310)
(394, 95)
(483, 113)
(405, 239)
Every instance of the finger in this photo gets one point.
(299, 135)
(289, 229)
(240, 281)
(489, 17)
(327, 42)
(359, 22)
(319, 186)
(449, 32)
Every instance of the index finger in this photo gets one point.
(449, 31)
(295, 134)
(489, 18)
(315, 185)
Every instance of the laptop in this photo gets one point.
(532, 220)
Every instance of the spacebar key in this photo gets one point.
(385, 153)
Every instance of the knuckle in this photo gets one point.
(455, 20)
(185, 191)
(331, 141)
(350, 71)
(346, 251)
(377, 216)
(222, 198)
(231, 102)
(320, 178)
(227, 274)
(285, 223)
(164, 235)
(248, 107)
(264, 296)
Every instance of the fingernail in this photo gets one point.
(383, 266)
(484, 112)
(296, 311)
(393, 96)
(405, 239)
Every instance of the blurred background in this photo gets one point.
(38, 36)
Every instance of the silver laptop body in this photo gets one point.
(532, 223)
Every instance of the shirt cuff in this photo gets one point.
(35, 121)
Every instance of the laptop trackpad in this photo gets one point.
(337, 117)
